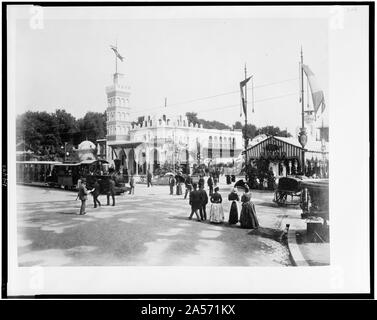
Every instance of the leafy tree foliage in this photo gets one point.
(51, 134)
(273, 131)
(193, 117)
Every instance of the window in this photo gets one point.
(210, 146)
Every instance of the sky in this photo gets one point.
(184, 56)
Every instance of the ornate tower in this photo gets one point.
(118, 109)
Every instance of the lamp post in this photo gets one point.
(302, 137)
(65, 150)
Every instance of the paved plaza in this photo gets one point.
(150, 228)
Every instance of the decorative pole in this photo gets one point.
(302, 137)
(116, 58)
(245, 132)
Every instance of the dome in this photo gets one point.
(86, 145)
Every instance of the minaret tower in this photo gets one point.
(118, 105)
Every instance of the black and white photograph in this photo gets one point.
(187, 149)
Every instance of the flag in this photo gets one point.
(243, 105)
(317, 93)
(243, 82)
(116, 53)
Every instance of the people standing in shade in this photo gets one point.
(188, 184)
(233, 214)
(172, 184)
(204, 201)
(195, 202)
(96, 193)
(210, 185)
(248, 217)
(217, 213)
(215, 181)
(111, 191)
(149, 179)
(132, 184)
(179, 187)
(201, 181)
(83, 195)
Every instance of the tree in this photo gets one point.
(250, 129)
(273, 131)
(37, 130)
(92, 126)
(66, 128)
(139, 121)
(193, 118)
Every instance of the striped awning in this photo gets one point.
(273, 147)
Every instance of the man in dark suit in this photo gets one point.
(149, 179)
(204, 201)
(201, 181)
(188, 183)
(195, 202)
(96, 193)
(111, 191)
(210, 185)
(172, 184)
(83, 195)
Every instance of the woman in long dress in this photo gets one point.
(233, 214)
(248, 218)
(217, 213)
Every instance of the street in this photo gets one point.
(150, 228)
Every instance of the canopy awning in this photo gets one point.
(124, 145)
(283, 148)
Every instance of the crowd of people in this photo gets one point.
(83, 192)
(241, 210)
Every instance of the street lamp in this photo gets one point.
(65, 150)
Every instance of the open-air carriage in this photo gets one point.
(315, 208)
(315, 198)
(288, 187)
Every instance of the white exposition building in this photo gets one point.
(160, 138)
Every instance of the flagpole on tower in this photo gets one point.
(116, 58)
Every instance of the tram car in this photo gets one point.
(35, 172)
(288, 187)
(66, 175)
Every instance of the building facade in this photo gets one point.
(160, 138)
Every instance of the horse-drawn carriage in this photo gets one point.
(288, 187)
(315, 208)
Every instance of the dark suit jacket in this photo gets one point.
(111, 187)
(83, 193)
(203, 197)
(96, 191)
(195, 199)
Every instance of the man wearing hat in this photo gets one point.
(83, 195)
(111, 191)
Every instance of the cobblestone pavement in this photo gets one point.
(150, 228)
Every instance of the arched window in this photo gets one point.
(232, 147)
(215, 143)
(221, 147)
(210, 146)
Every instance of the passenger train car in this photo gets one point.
(66, 175)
